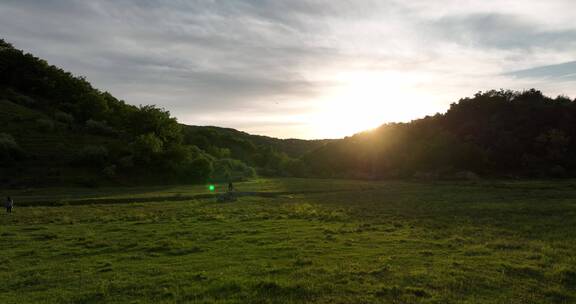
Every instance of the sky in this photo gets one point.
(301, 68)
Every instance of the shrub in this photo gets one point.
(9, 148)
(45, 125)
(99, 127)
(126, 161)
(88, 182)
(146, 146)
(232, 169)
(92, 155)
(187, 163)
(219, 152)
(109, 171)
(196, 170)
(24, 100)
(64, 117)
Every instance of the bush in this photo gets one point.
(9, 148)
(92, 156)
(109, 171)
(99, 127)
(88, 182)
(231, 170)
(45, 125)
(64, 117)
(219, 152)
(147, 146)
(24, 100)
(196, 170)
(126, 161)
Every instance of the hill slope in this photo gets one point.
(57, 129)
(496, 133)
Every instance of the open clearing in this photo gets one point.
(323, 241)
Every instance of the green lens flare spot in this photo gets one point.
(211, 188)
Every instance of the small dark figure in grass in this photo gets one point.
(229, 196)
(9, 204)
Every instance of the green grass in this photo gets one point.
(323, 241)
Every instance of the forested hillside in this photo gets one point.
(57, 129)
(273, 156)
(496, 133)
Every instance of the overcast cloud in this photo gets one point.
(282, 68)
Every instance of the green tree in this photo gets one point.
(146, 147)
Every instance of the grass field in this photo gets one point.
(322, 241)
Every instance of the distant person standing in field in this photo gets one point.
(230, 187)
(9, 204)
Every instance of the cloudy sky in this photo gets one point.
(301, 68)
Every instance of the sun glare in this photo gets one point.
(365, 101)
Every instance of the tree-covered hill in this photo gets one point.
(495, 133)
(274, 157)
(57, 129)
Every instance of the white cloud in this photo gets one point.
(284, 68)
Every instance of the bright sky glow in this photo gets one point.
(366, 100)
(302, 68)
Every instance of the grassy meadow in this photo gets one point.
(293, 241)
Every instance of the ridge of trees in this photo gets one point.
(58, 129)
(115, 140)
(500, 133)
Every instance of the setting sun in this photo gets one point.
(366, 100)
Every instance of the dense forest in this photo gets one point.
(496, 133)
(58, 130)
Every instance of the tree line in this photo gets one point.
(498, 133)
(116, 140)
(56, 124)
